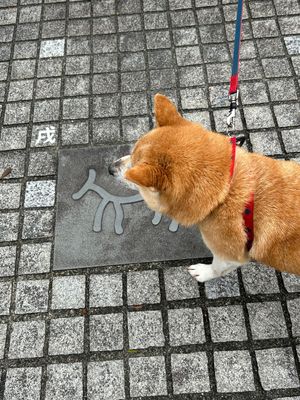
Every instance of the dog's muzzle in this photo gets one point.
(118, 167)
(113, 168)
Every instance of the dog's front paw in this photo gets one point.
(202, 272)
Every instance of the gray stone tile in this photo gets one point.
(64, 382)
(104, 25)
(267, 320)
(106, 131)
(44, 135)
(128, 23)
(291, 139)
(10, 195)
(68, 292)
(51, 67)
(42, 163)
(134, 104)
(32, 296)
(40, 194)
(276, 368)
(25, 50)
(129, 61)
(133, 81)
(152, 369)
(233, 371)
(106, 106)
(5, 296)
(276, 67)
(270, 47)
(7, 260)
(289, 25)
(66, 336)
(216, 53)
(104, 8)
(105, 380)
(48, 87)
(287, 115)
(191, 76)
(23, 69)
(35, 258)
(106, 290)
(183, 18)
(3, 71)
(75, 108)
(30, 14)
(8, 16)
(156, 20)
(79, 10)
(253, 93)
(37, 224)
(193, 98)
(258, 117)
(143, 287)
(3, 329)
(261, 9)
(154, 5)
(46, 110)
(106, 83)
(250, 69)
(106, 332)
(23, 383)
(28, 31)
(145, 329)
(17, 113)
(226, 286)
(291, 282)
(212, 33)
(294, 308)
(53, 29)
(79, 65)
(282, 89)
(179, 284)
(218, 73)
(265, 142)
(14, 160)
(54, 11)
(287, 8)
(77, 85)
(135, 127)
(189, 55)
(190, 373)
(27, 339)
(6, 33)
(81, 27)
(9, 223)
(20, 90)
(264, 28)
(259, 279)
(108, 43)
(227, 323)
(129, 6)
(186, 326)
(185, 37)
(75, 133)
(52, 48)
(158, 40)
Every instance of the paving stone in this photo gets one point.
(106, 106)
(226, 286)
(104, 25)
(30, 14)
(22, 69)
(3, 329)
(227, 323)
(35, 258)
(190, 373)
(75, 108)
(282, 89)
(135, 127)
(294, 307)
(52, 48)
(27, 339)
(46, 110)
(40, 194)
(37, 224)
(216, 53)
(105, 380)
(49, 87)
(9, 223)
(264, 28)
(106, 290)
(54, 11)
(66, 336)
(154, 5)
(291, 139)
(145, 329)
(128, 23)
(106, 332)
(189, 55)
(289, 25)
(106, 131)
(276, 67)
(17, 113)
(8, 16)
(191, 76)
(42, 163)
(25, 50)
(105, 83)
(186, 326)
(218, 73)
(133, 81)
(270, 47)
(156, 20)
(162, 79)
(14, 160)
(79, 10)
(44, 135)
(250, 69)
(68, 292)
(23, 383)
(233, 371)
(20, 90)
(7, 260)
(259, 279)
(6, 33)
(32, 296)
(287, 114)
(10, 195)
(108, 44)
(51, 67)
(5, 51)
(77, 65)
(81, 27)
(193, 98)
(75, 133)
(276, 368)
(143, 287)
(290, 7)
(134, 104)
(179, 284)
(212, 33)
(53, 29)
(183, 18)
(129, 61)
(185, 37)
(129, 6)
(265, 142)
(64, 382)
(158, 40)
(253, 93)
(258, 117)
(291, 282)
(28, 31)
(152, 369)
(262, 9)
(5, 295)
(3, 70)
(77, 85)
(104, 8)
(267, 320)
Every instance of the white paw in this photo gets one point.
(202, 272)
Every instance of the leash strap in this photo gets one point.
(234, 80)
(248, 221)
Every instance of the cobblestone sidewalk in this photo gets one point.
(83, 73)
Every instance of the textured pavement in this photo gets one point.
(83, 73)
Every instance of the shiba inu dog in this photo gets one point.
(247, 206)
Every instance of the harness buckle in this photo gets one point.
(234, 103)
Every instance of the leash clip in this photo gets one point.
(234, 103)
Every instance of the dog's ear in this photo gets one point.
(145, 175)
(165, 111)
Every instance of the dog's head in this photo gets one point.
(166, 163)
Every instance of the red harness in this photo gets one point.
(249, 207)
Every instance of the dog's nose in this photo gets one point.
(112, 169)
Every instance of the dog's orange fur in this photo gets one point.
(183, 171)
